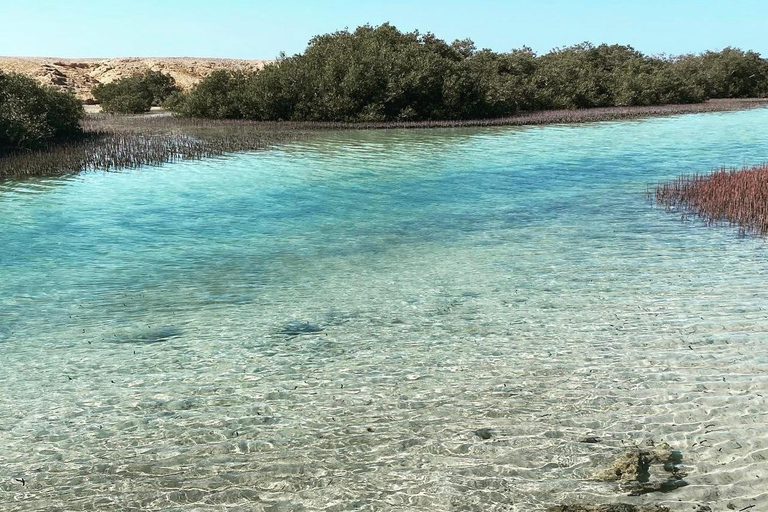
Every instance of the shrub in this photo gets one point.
(729, 73)
(160, 85)
(135, 94)
(32, 114)
(216, 96)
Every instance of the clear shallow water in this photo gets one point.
(324, 326)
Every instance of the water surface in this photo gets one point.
(324, 326)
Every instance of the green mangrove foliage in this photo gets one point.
(379, 73)
(135, 94)
(32, 115)
(218, 96)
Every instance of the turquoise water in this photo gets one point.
(324, 325)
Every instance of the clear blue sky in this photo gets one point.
(254, 29)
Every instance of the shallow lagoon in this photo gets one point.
(325, 325)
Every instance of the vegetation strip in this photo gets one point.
(379, 74)
(370, 78)
(545, 117)
(118, 142)
(125, 142)
(737, 197)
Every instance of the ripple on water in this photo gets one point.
(405, 320)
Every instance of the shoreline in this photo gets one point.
(733, 197)
(114, 142)
(546, 117)
(533, 118)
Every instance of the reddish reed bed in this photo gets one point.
(737, 197)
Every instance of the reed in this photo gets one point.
(736, 197)
(544, 117)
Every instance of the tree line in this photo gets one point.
(382, 74)
(379, 74)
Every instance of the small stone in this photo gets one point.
(484, 433)
(638, 489)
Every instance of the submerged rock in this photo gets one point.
(157, 335)
(296, 328)
(484, 433)
(617, 507)
(636, 489)
(647, 468)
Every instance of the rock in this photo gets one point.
(647, 468)
(484, 433)
(637, 489)
(630, 466)
(617, 507)
(149, 336)
(589, 439)
(296, 328)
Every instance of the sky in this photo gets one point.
(261, 29)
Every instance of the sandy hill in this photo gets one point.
(81, 75)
